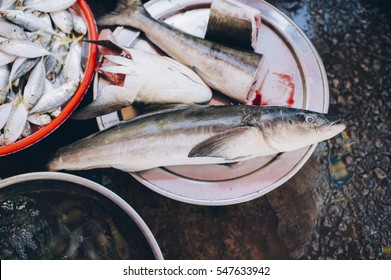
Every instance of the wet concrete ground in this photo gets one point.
(338, 205)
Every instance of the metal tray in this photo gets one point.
(288, 52)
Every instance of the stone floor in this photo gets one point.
(337, 207)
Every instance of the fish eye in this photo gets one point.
(309, 119)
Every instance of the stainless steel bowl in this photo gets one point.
(49, 215)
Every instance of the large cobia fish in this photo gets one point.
(197, 134)
(232, 72)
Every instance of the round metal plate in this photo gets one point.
(287, 52)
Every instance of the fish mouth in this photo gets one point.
(336, 124)
(334, 120)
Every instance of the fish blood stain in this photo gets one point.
(277, 89)
(287, 80)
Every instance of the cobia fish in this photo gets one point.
(197, 134)
(232, 72)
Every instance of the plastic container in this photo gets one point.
(77, 97)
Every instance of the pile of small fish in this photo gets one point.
(40, 63)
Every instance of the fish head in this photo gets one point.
(287, 129)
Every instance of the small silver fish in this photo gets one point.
(27, 21)
(39, 119)
(4, 76)
(63, 20)
(79, 25)
(72, 65)
(16, 121)
(20, 67)
(57, 97)
(5, 111)
(197, 134)
(11, 31)
(35, 85)
(49, 6)
(23, 48)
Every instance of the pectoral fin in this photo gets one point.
(235, 144)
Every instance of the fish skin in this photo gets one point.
(197, 134)
(231, 71)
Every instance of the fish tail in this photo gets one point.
(127, 12)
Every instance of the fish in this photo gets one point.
(72, 65)
(234, 23)
(48, 6)
(5, 111)
(39, 119)
(57, 97)
(23, 48)
(20, 67)
(232, 72)
(75, 240)
(63, 20)
(79, 26)
(149, 79)
(35, 85)
(16, 122)
(28, 21)
(11, 31)
(52, 65)
(188, 134)
(4, 76)
(7, 4)
(6, 58)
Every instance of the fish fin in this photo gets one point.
(110, 99)
(230, 145)
(124, 14)
(208, 81)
